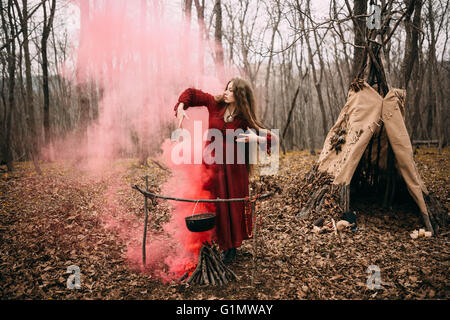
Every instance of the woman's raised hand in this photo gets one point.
(181, 114)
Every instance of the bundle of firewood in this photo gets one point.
(321, 196)
(210, 268)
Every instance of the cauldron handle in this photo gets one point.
(194, 208)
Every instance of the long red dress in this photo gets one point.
(227, 180)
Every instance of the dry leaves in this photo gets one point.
(50, 222)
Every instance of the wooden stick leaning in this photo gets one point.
(254, 243)
(228, 272)
(198, 263)
(210, 269)
(204, 272)
(212, 265)
(145, 224)
(221, 272)
(214, 271)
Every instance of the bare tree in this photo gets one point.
(81, 78)
(218, 34)
(275, 21)
(200, 8)
(8, 27)
(299, 64)
(412, 29)
(317, 82)
(47, 25)
(359, 27)
(33, 140)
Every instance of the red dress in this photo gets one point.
(226, 180)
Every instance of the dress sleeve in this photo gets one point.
(268, 144)
(195, 98)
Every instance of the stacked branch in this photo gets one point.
(322, 195)
(437, 213)
(210, 268)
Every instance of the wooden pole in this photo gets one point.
(345, 197)
(390, 177)
(254, 242)
(151, 194)
(145, 224)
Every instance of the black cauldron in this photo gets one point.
(201, 222)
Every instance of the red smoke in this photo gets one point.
(142, 58)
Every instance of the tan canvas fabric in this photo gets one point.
(381, 135)
(363, 109)
(401, 145)
(361, 117)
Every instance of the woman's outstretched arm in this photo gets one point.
(194, 98)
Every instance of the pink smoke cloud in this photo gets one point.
(142, 62)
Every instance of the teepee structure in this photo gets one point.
(369, 146)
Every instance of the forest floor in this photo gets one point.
(50, 222)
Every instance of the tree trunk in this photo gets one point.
(317, 83)
(434, 79)
(344, 48)
(309, 116)
(202, 33)
(187, 9)
(219, 57)
(81, 87)
(288, 121)
(10, 50)
(33, 138)
(269, 63)
(412, 30)
(359, 28)
(48, 23)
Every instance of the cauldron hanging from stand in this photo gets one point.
(200, 222)
(147, 194)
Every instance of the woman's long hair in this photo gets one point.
(245, 107)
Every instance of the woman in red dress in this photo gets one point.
(234, 109)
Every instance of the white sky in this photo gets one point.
(70, 12)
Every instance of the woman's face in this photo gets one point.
(228, 95)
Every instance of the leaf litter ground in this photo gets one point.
(67, 217)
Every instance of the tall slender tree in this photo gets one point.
(47, 25)
(359, 29)
(218, 45)
(33, 137)
(10, 42)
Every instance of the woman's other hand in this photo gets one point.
(249, 137)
